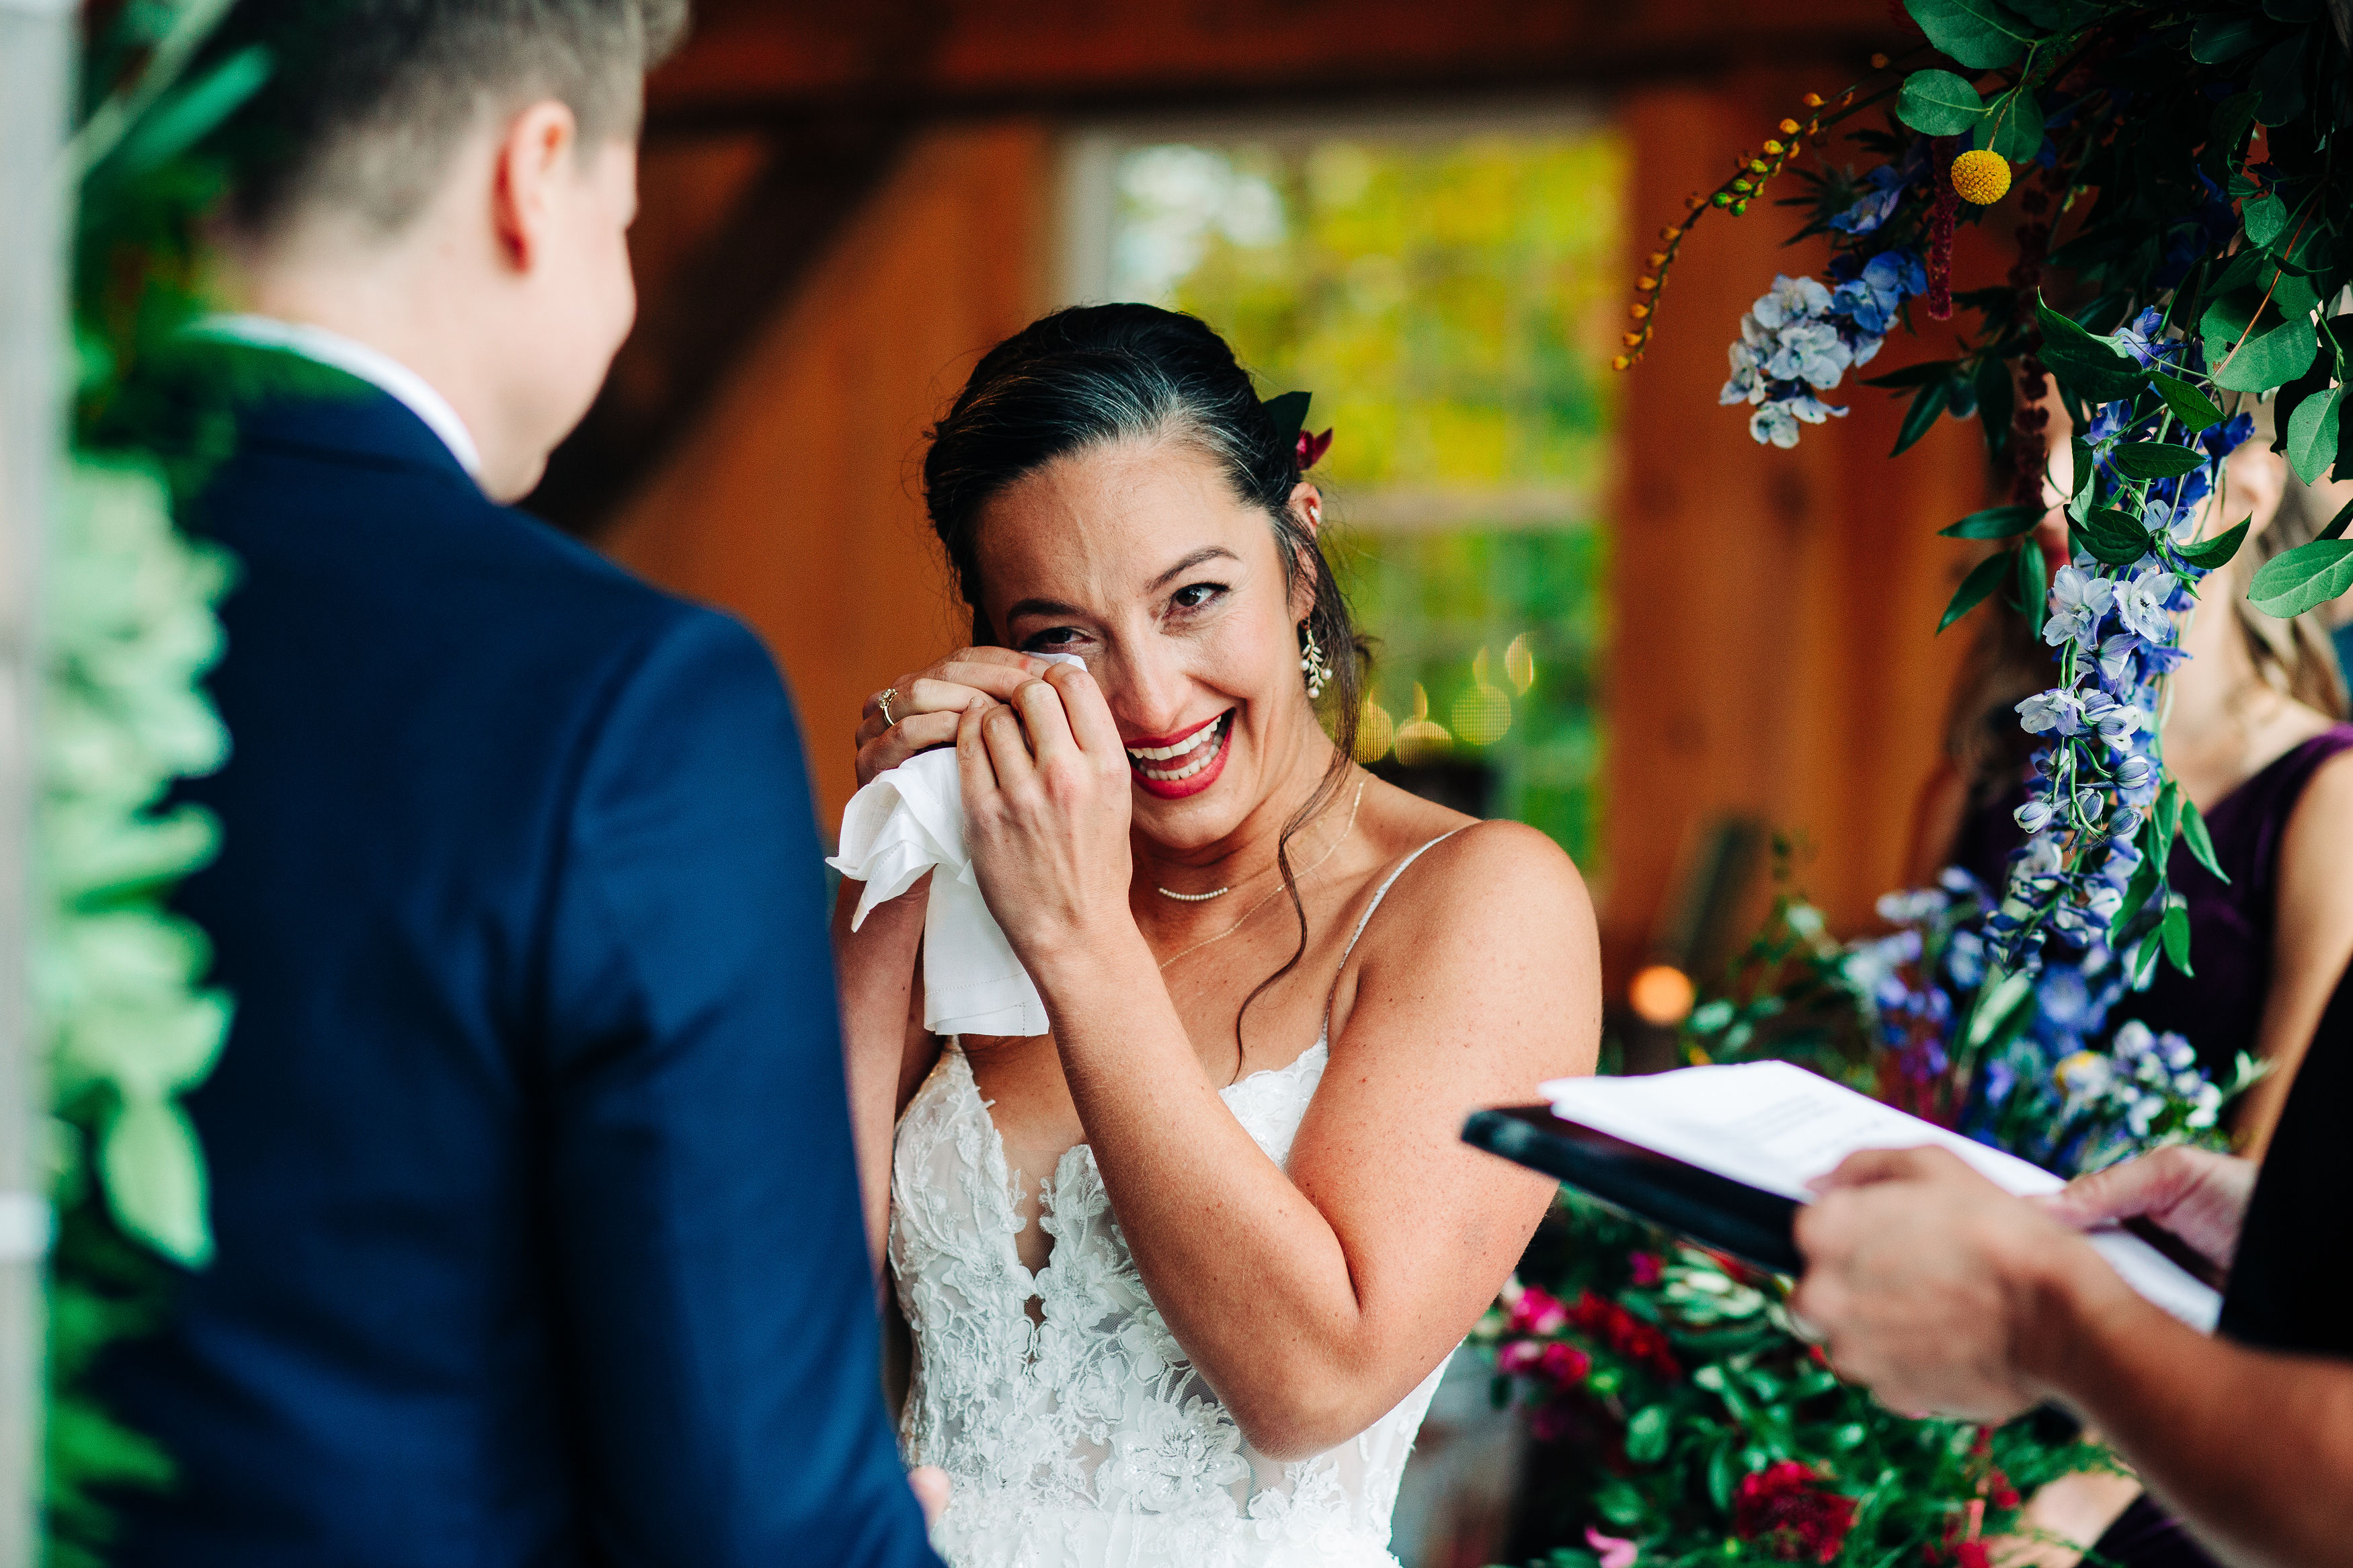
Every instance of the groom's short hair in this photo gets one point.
(367, 100)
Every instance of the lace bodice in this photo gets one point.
(1083, 1437)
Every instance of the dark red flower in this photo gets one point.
(2000, 1493)
(1311, 448)
(1626, 1334)
(1783, 1506)
(1647, 1268)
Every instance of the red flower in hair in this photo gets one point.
(1311, 448)
(1782, 1506)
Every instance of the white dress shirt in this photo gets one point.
(356, 358)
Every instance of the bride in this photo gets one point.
(1182, 1275)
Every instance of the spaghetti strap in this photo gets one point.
(1366, 918)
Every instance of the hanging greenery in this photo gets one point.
(129, 632)
(2178, 194)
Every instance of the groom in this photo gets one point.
(538, 1231)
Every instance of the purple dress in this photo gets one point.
(2218, 1008)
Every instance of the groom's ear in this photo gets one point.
(531, 167)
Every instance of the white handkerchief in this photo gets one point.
(906, 822)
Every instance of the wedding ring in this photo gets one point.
(883, 702)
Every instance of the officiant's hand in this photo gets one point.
(1046, 806)
(2198, 1194)
(1928, 1283)
(926, 705)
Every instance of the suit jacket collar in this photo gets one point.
(360, 424)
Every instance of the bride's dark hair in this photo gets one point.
(1097, 374)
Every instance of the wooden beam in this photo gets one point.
(755, 57)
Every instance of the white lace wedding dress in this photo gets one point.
(1087, 1440)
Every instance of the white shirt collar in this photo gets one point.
(356, 358)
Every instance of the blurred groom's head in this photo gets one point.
(450, 182)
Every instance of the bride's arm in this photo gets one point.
(1312, 1300)
(886, 1050)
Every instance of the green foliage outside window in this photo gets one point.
(1447, 300)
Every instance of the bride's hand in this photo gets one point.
(1046, 807)
(924, 706)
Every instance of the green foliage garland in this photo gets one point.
(126, 1022)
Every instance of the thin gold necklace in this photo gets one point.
(1345, 831)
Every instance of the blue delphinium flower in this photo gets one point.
(1800, 338)
(2115, 629)
(2078, 600)
(1882, 189)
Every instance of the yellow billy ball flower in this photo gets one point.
(1982, 178)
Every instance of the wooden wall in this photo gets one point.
(1774, 651)
(796, 503)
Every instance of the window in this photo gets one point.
(1449, 290)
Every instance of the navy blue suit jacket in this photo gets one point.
(539, 1240)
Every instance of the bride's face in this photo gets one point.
(1139, 558)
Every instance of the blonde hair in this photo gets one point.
(2293, 655)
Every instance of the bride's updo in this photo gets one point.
(1097, 374)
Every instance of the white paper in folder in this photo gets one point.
(1775, 1126)
(906, 822)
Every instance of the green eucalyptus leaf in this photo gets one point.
(2195, 837)
(2013, 127)
(1979, 33)
(2146, 878)
(2210, 554)
(2336, 525)
(2156, 460)
(2142, 963)
(2279, 77)
(2303, 578)
(2033, 587)
(2096, 369)
(1939, 103)
(2237, 273)
(1919, 375)
(2225, 36)
(2312, 433)
(2265, 360)
(2175, 933)
(1995, 522)
(2113, 537)
(2084, 468)
(1647, 1433)
(1926, 404)
(1997, 401)
(2289, 398)
(1724, 1473)
(155, 1173)
(1982, 580)
(1620, 1502)
(184, 117)
(2193, 407)
(2266, 218)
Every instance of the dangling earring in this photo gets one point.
(1312, 663)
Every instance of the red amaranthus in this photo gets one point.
(1784, 1506)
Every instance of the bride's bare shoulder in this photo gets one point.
(1481, 878)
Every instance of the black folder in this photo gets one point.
(1731, 1216)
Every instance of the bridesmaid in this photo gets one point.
(2255, 730)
